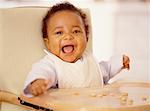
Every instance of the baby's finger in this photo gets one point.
(35, 88)
(126, 59)
(44, 88)
(126, 65)
(34, 92)
(47, 84)
(39, 91)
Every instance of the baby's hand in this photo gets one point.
(38, 87)
(126, 62)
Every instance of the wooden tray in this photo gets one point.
(114, 97)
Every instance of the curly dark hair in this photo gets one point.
(61, 7)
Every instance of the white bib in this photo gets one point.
(85, 72)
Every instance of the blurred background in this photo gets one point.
(118, 27)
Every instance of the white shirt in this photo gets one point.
(85, 72)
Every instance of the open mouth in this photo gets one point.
(68, 49)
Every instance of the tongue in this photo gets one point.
(68, 49)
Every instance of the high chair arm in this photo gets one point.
(11, 98)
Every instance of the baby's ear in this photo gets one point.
(46, 41)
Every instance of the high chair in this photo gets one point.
(21, 44)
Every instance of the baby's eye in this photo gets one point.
(76, 31)
(58, 32)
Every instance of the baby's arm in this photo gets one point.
(41, 77)
(114, 66)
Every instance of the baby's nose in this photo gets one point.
(68, 37)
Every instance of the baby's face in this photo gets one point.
(66, 36)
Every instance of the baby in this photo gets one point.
(68, 64)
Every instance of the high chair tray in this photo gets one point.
(114, 97)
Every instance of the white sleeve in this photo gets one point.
(43, 69)
(111, 68)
